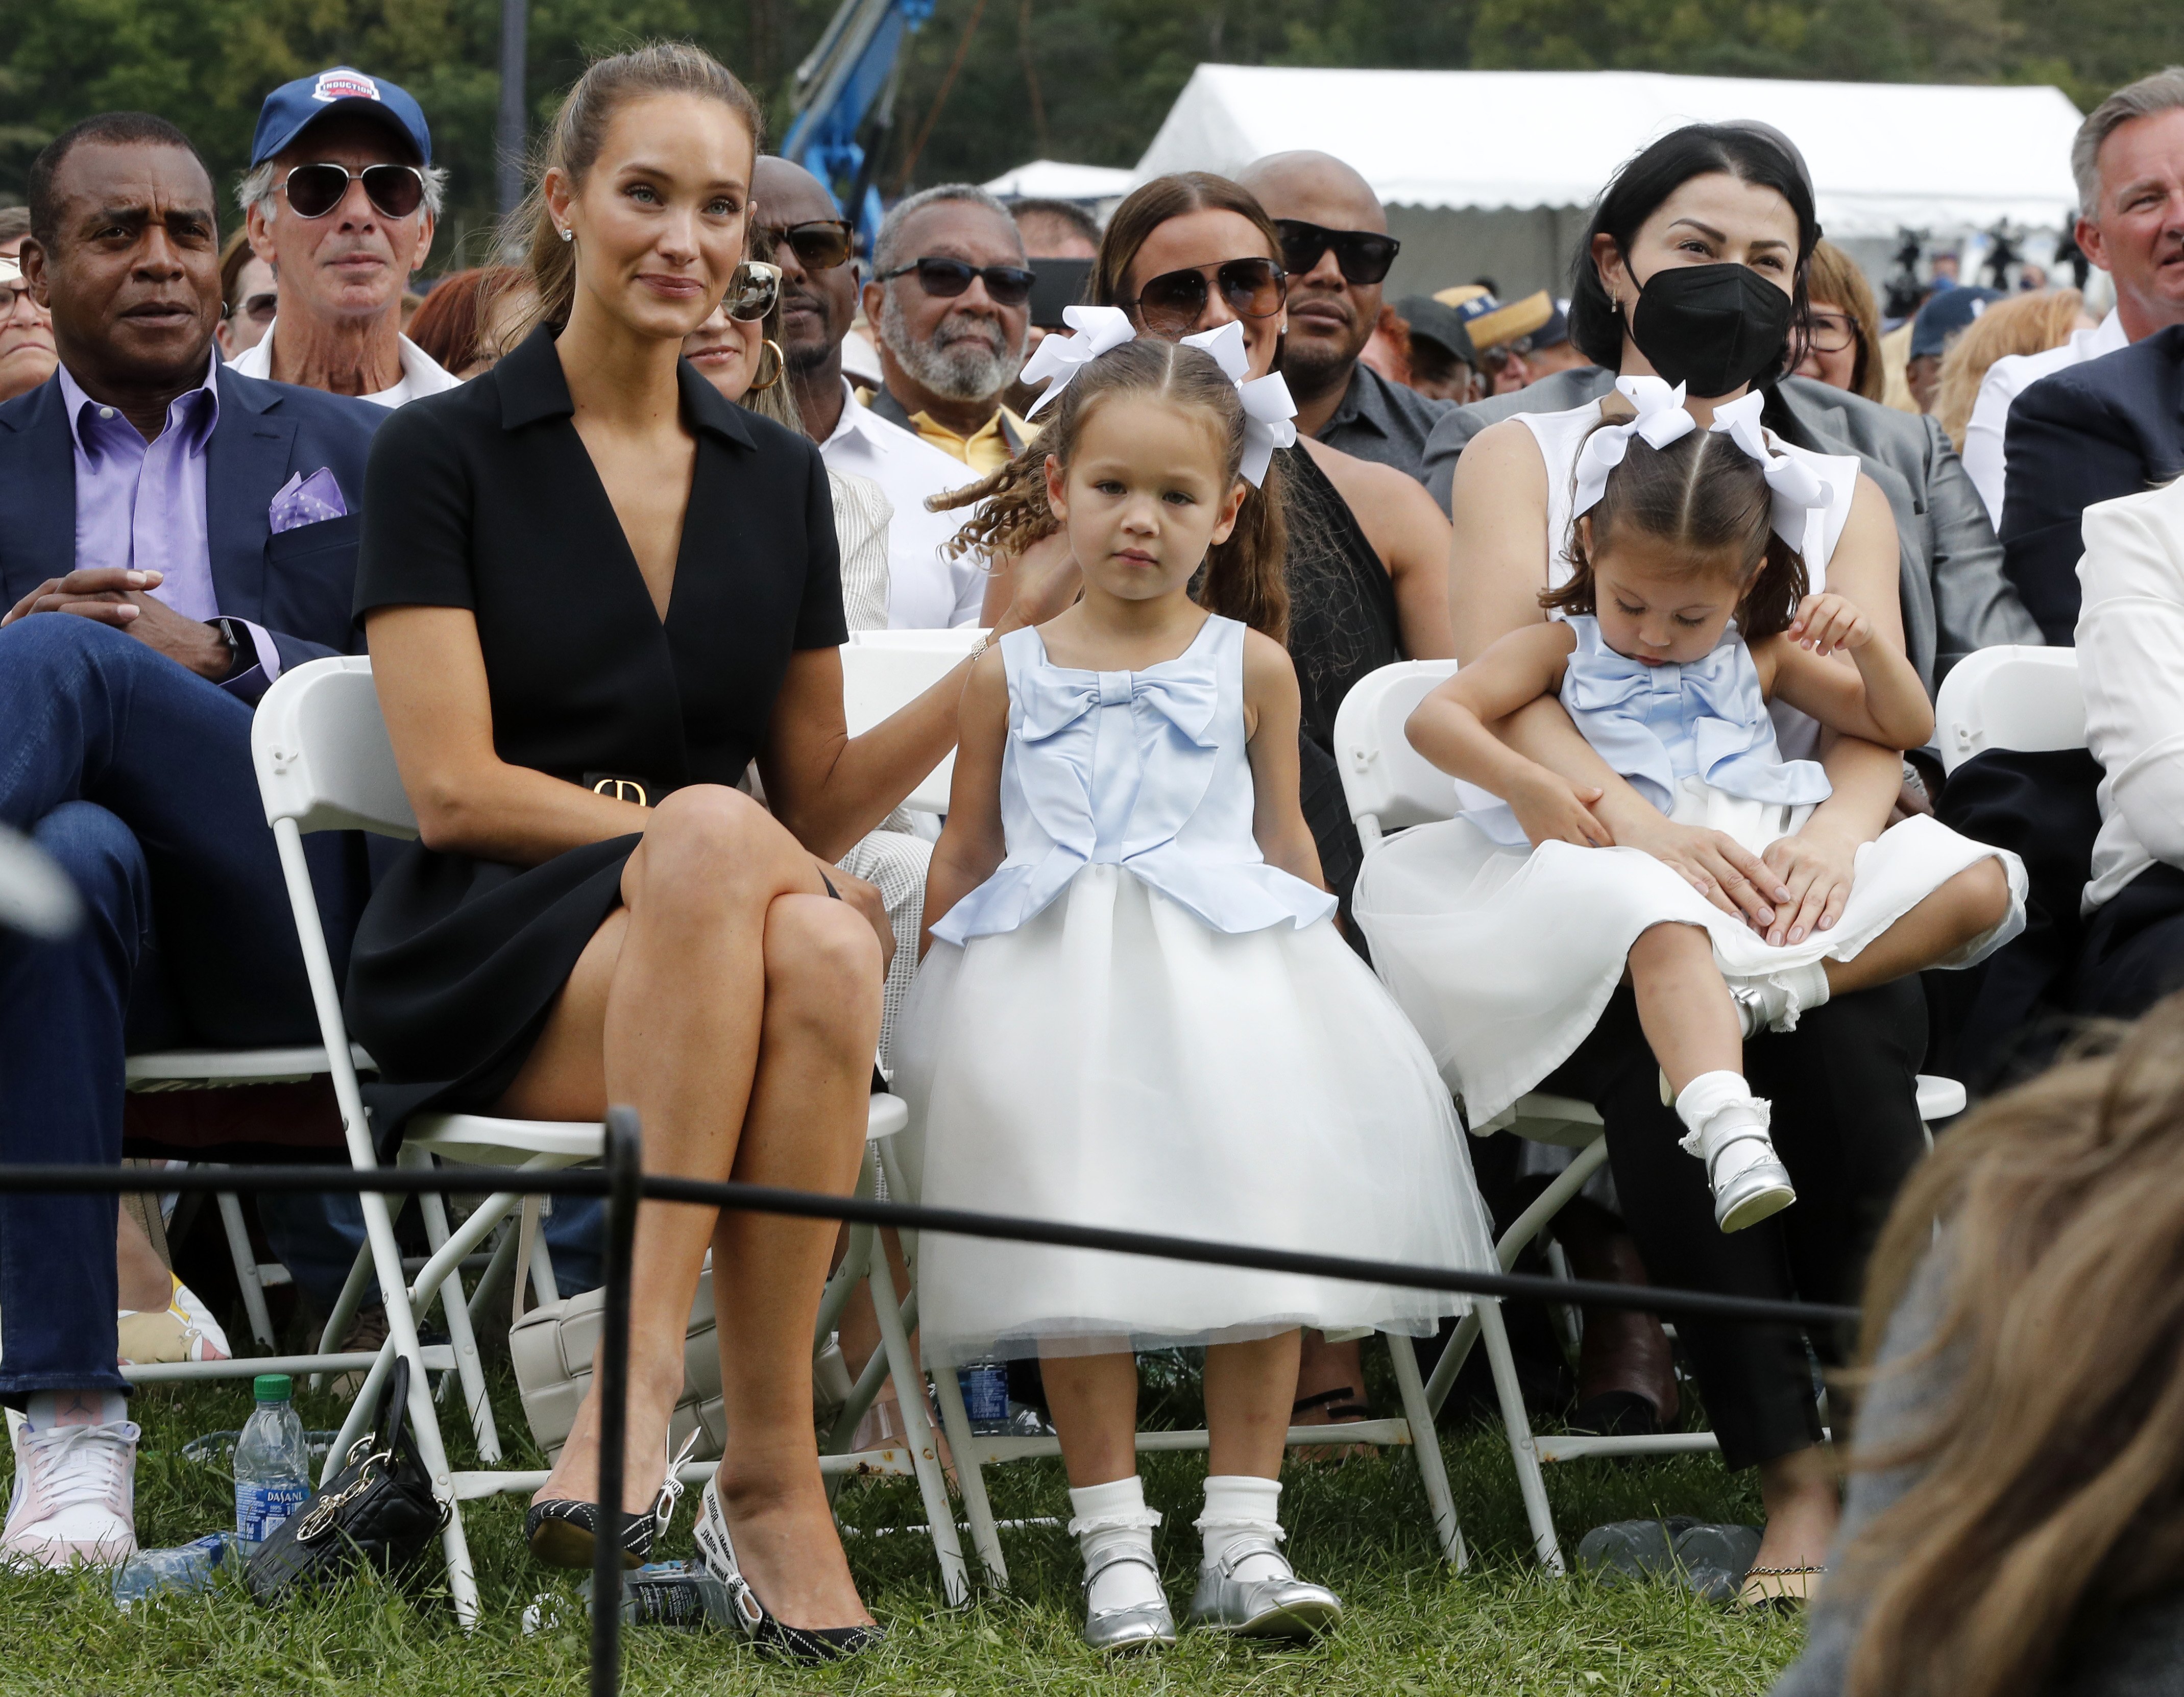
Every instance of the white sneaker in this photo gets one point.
(75, 1497)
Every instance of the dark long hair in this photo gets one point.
(1635, 193)
(1243, 576)
(1709, 496)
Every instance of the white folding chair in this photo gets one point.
(884, 671)
(2023, 698)
(323, 763)
(1391, 787)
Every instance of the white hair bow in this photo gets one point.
(1800, 495)
(1660, 419)
(1267, 409)
(1060, 357)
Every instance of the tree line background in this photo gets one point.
(990, 84)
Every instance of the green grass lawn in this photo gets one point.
(1413, 1625)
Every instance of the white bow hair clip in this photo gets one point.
(1058, 359)
(1267, 409)
(1798, 492)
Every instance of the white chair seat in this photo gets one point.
(202, 1067)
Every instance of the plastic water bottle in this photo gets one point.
(191, 1568)
(272, 1466)
(680, 1595)
(985, 1385)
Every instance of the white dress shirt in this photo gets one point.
(2131, 663)
(926, 590)
(421, 374)
(2007, 379)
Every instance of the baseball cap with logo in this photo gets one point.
(1491, 323)
(294, 107)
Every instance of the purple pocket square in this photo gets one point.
(306, 501)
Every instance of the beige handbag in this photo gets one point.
(552, 1344)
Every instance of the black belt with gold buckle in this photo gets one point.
(619, 787)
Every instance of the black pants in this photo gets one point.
(2134, 948)
(1846, 1123)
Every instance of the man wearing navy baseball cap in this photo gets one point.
(340, 200)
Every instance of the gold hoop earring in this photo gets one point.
(780, 364)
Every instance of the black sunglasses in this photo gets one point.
(945, 279)
(314, 191)
(1362, 255)
(1170, 304)
(820, 244)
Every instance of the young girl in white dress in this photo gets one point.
(1686, 612)
(1136, 1011)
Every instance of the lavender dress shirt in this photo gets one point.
(141, 505)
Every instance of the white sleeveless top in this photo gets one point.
(1561, 435)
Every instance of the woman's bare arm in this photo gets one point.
(430, 677)
(1272, 709)
(972, 842)
(1408, 532)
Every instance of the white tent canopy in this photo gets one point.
(1883, 156)
(1054, 180)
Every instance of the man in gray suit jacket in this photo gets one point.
(1955, 596)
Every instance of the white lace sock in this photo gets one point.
(1106, 1518)
(1240, 1507)
(48, 1408)
(1775, 1001)
(1718, 1108)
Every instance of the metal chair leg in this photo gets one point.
(1522, 1451)
(1425, 1447)
(971, 1479)
(925, 1459)
(246, 1268)
(455, 1309)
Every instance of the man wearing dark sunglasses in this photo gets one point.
(340, 200)
(1336, 248)
(950, 297)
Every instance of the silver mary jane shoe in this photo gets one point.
(1285, 1607)
(1134, 1626)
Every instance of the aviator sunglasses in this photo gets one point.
(314, 191)
(820, 244)
(1170, 304)
(752, 291)
(945, 279)
(1364, 256)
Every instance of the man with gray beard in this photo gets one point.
(950, 297)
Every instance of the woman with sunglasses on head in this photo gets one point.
(1695, 271)
(594, 591)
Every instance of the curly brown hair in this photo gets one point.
(1243, 576)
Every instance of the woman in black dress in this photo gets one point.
(595, 590)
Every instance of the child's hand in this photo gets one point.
(1825, 623)
(1553, 810)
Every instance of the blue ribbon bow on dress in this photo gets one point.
(1711, 710)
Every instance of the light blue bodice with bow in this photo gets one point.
(1147, 771)
(1660, 725)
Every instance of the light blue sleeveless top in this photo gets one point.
(1147, 771)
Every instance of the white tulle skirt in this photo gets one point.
(1117, 1062)
(1504, 958)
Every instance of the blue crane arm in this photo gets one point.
(849, 73)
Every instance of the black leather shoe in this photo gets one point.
(771, 1637)
(565, 1535)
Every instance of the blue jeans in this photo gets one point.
(134, 775)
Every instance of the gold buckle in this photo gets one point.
(621, 789)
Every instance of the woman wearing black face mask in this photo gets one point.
(1695, 272)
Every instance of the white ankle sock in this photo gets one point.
(1715, 1106)
(1240, 1507)
(48, 1408)
(1106, 1518)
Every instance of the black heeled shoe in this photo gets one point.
(562, 1533)
(771, 1637)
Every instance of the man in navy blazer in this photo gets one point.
(172, 538)
(2111, 426)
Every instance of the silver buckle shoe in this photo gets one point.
(1286, 1607)
(1136, 1625)
(1760, 1191)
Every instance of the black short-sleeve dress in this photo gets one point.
(485, 497)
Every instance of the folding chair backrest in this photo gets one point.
(1387, 782)
(2021, 699)
(884, 671)
(321, 752)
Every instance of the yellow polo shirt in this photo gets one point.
(985, 450)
